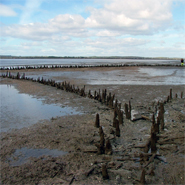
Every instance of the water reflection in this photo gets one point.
(22, 110)
(22, 155)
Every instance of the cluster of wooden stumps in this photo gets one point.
(104, 147)
(157, 127)
(149, 150)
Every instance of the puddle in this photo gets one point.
(22, 110)
(22, 155)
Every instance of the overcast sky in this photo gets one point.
(149, 28)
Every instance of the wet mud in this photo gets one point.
(122, 145)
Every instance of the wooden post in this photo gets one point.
(170, 94)
(168, 99)
(18, 75)
(97, 121)
(116, 104)
(128, 110)
(117, 129)
(161, 116)
(115, 121)
(104, 172)
(102, 140)
(120, 117)
(153, 142)
(108, 148)
(142, 179)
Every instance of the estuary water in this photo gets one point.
(50, 62)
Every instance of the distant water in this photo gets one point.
(50, 62)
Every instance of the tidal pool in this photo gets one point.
(19, 110)
(22, 155)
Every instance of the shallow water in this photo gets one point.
(127, 76)
(22, 110)
(22, 155)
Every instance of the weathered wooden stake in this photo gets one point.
(128, 110)
(104, 172)
(142, 179)
(153, 142)
(117, 129)
(168, 99)
(101, 146)
(170, 94)
(161, 116)
(108, 148)
(97, 122)
(115, 121)
(120, 117)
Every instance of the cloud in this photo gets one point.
(114, 42)
(113, 29)
(67, 21)
(135, 17)
(65, 25)
(31, 6)
(7, 11)
(115, 18)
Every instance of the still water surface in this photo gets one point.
(19, 110)
(50, 62)
(22, 155)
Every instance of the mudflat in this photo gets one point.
(77, 136)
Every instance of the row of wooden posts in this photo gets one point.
(109, 100)
(83, 66)
(158, 126)
(103, 97)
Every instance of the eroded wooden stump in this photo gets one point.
(104, 172)
(142, 178)
(108, 147)
(97, 121)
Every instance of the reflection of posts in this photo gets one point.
(182, 62)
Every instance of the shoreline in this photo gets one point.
(77, 135)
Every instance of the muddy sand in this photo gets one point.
(78, 137)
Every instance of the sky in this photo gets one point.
(147, 28)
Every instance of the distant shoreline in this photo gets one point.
(90, 57)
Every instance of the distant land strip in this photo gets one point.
(87, 57)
